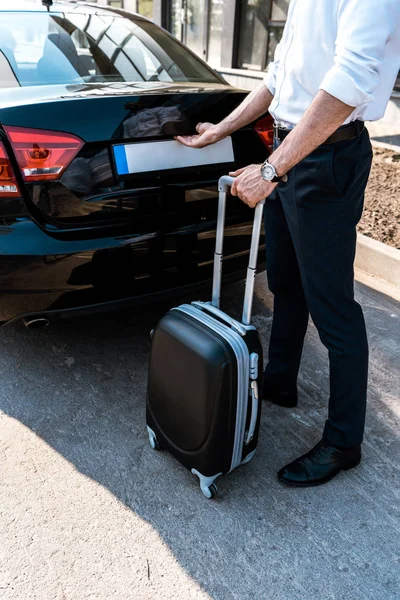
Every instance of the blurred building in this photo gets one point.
(236, 37)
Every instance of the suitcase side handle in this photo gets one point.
(254, 413)
(224, 184)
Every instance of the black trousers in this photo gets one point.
(310, 225)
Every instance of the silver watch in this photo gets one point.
(268, 173)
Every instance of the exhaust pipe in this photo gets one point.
(36, 322)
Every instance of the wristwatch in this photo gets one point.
(268, 173)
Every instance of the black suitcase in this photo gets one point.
(205, 376)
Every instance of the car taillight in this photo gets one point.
(265, 129)
(8, 184)
(43, 155)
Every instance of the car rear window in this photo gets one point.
(45, 49)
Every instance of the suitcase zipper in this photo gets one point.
(242, 356)
(214, 311)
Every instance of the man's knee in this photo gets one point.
(342, 331)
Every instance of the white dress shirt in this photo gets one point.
(349, 48)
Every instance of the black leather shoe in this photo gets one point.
(319, 465)
(286, 397)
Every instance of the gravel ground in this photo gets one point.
(381, 218)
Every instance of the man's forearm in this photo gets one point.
(325, 114)
(253, 106)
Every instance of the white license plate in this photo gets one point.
(146, 157)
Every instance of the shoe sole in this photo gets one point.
(350, 465)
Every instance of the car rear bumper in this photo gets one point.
(40, 275)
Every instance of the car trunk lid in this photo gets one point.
(90, 191)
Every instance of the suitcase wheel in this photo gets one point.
(211, 491)
(154, 443)
(207, 484)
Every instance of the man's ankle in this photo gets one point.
(282, 395)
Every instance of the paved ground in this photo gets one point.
(89, 511)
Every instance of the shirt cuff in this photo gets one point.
(270, 82)
(338, 83)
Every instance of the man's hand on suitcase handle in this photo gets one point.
(250, 187)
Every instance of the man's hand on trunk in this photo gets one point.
(208, 133)
(253, 106)
(250, 186)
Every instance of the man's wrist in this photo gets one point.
(219, 133)
(278, 165)
(223, 129)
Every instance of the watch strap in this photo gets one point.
(276, 179)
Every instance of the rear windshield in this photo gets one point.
(45, 49)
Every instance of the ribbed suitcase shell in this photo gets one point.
(203, 378)
(198, 392)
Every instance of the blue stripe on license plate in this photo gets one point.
(121, 160)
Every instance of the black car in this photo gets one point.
(99, 205)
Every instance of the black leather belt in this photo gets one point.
(346, 132)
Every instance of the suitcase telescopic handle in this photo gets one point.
(224, 184)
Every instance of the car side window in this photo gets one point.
(8, 68)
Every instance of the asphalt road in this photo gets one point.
(89, 511)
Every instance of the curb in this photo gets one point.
(378, 259)
(375, 258)
(376, 144)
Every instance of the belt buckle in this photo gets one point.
(276, 130)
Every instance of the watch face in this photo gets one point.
(268, 172)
